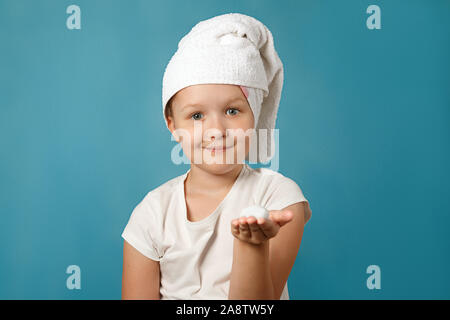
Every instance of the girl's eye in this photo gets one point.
(193, 116)
(196, 115)
(234, 110)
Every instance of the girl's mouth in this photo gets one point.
(218, 150)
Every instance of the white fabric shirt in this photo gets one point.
(196, 257)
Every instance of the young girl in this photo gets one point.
(186, 239)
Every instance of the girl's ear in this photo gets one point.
(172, 129)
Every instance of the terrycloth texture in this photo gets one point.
(234, 49)
(255, 98)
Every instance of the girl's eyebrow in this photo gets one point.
(192, 105)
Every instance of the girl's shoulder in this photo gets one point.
(267, 175)
(164, 192)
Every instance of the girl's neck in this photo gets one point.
(202, 181)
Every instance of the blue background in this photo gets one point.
(364, 131)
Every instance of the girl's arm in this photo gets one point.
(140, 276)
(264, 254)
(250, 273)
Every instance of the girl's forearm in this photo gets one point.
(250, 273)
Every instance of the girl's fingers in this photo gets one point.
(268, 227)
(253, 229)
(253, 225)
(257, 233)
(235, 226)
(243, 227)
(251, 219)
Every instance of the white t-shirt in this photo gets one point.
(196, 257)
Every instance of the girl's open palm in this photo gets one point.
(256, 231)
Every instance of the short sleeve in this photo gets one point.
(139, 231)
(285, 193)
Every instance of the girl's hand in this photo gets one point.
(256, 231)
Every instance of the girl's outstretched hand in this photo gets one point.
(256, 231)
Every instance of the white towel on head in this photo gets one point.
(234, 49)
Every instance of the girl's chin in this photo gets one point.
(219, 168)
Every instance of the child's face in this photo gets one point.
(211, 109)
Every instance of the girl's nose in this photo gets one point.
(215, 128)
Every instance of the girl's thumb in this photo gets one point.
(281, 216)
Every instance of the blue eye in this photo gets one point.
(233, 109)
(194, 115)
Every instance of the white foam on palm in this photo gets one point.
(255, 211)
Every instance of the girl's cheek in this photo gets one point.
(197, 136)
(195, 140)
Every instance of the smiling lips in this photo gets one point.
(218, 149)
